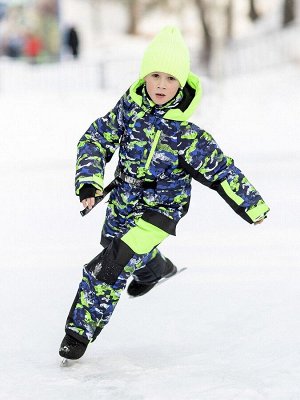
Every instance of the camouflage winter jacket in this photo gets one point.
(157, 143)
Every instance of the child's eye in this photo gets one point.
(155, 75)
(171, 78)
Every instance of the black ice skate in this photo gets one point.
(137, 288)
(71, 348)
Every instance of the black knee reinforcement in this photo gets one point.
(109, 264)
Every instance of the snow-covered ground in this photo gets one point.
(228, 328)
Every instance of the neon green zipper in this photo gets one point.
(152, 150)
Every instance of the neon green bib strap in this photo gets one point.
(143, 237)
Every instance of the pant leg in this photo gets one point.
(120, 215)
(104, 279)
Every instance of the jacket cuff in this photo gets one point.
(86, 192)
(95, 180)
(258, 211)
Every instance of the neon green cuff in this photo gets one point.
(260, 210)
(95, 180)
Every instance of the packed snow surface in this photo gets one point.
(227, 328)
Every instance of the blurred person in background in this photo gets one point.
(72, 41)
(13, 45)
(47, 28)
(32, 47)
(160, 152)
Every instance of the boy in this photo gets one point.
(159, 154)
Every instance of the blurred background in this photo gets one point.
(99, 42)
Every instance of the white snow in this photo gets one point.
(227, 328)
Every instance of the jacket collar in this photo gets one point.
(180, 108)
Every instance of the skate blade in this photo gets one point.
(65, 362)
(167, 277)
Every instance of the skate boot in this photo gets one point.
(71, 348)
(137, 288)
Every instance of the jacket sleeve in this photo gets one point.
(202, 158)
(96, 148)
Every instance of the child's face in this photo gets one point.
(161, 87)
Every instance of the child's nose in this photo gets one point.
(162, 84)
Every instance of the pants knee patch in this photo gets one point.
(109, 264)
(109, 273)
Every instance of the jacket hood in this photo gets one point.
(191, 96)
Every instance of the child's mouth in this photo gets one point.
(160, 95)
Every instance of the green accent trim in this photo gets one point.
(178, 115)
(258, 211)
(143, 237)
(132, 91)
(152, 150)
(230, 193)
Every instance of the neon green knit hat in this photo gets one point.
(167, 53)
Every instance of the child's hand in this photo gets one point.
(90, 202)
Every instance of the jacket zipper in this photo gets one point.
(152, 150)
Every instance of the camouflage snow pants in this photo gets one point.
(130, 239)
